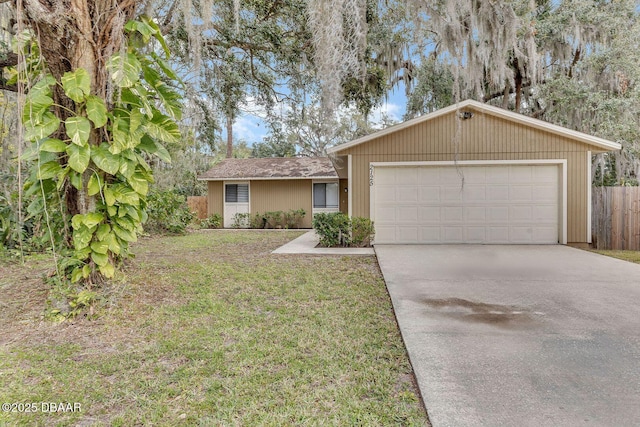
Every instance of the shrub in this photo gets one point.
(362, 231)
(168, 213)
(241, 220)
(292, 218)
(337, 229)
(274, 219)
(212, 221)
(258, 221)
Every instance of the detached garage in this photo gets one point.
(472, 173)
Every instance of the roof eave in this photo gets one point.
(267, 178)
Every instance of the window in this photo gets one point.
(236, 193)
(325, 195)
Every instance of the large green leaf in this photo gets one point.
(94, 184)
(103, 231)
(78, 157)
(89, 220)
(43, 86)
(100, 247)
(106, 161)
(170, 100)
(49, 170)
(96, 111)
(163, 128)
(124, 194)
(107, 270)
(81, 237)
(124, 69)
(126, 235)
(44, 126)
(35, 105)
(109, 197)
(157, 33)
(75, 179)
(142, 27)
(99, 259)
(76, 84)
(152, 147)
(168, 71)
(127, 167)
(114, 244)
(78, 129)
(139, 183)
(52, 145)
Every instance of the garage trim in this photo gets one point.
(562, 235)
(589, 190)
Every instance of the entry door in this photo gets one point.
(497, 204)
(236, 200)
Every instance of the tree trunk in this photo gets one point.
(229, 136)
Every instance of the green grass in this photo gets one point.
(631, 256)
(212, 329)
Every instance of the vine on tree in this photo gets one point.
(110, 170)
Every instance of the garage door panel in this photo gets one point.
(429, 193)
(498, 193)
(475, 193)
(521, 234)
(497, 175)
(498, 234)
(450, 193)
(476, 235)
(545, 192)
(547, 213)
(430, 234)
(453, 234)
(520, 193)
(386, 193)
(497, 204)
(452, 213)
(520, 174)
(407, 194)
(521, 213)
(475, 213)
(429, 214)
(407, 234)
(407, 176)
(407, 214)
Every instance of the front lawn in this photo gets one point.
(211, 329)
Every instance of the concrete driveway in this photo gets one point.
(519, 335)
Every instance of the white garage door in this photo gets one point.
(469, 204)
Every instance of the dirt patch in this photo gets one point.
(478, 312)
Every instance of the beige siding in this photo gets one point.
(214, 198)
(282, 195)
(483, 137)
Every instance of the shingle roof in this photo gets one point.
(271, 168)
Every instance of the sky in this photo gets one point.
(251, 128)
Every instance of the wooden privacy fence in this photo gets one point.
(198, 204)
(615, 218)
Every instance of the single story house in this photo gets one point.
(468, 173)
(274, 184)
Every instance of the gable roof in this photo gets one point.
(271, 168)
(488, 109)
